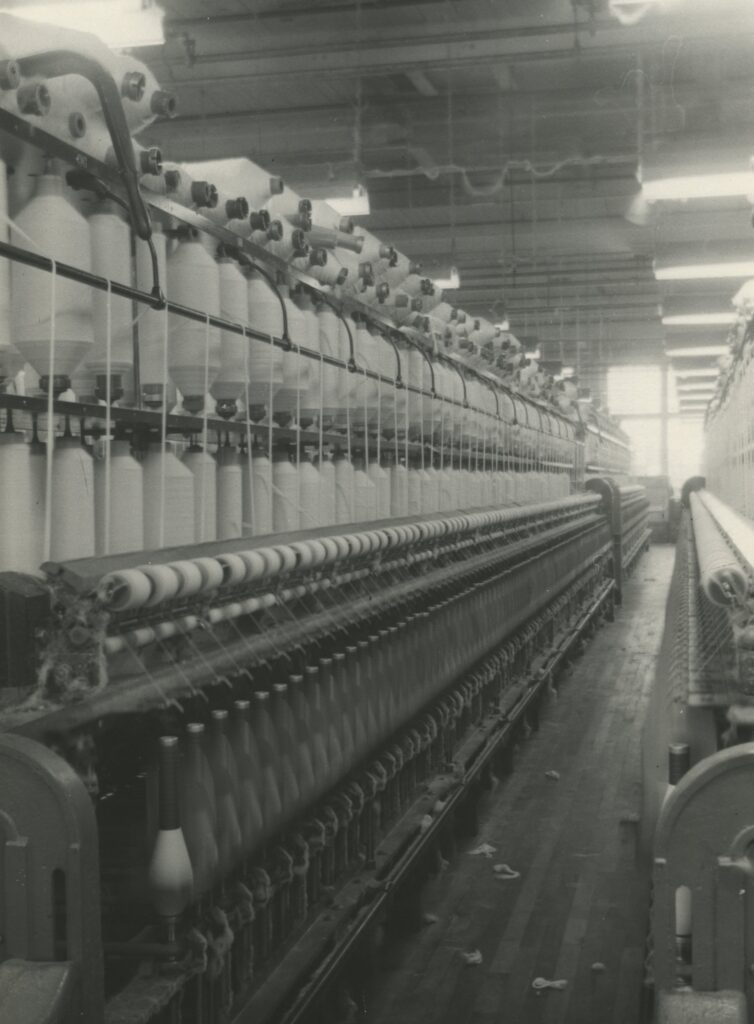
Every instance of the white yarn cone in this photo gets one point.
(72, 534)
(61, 232)
(285, 515)
(261, 485)
(344, 490)
(365, 496)
(110, 237)
(414, 492)
(178, 524)
(398, 492)
(381, 480)
(193, 347)
(17, 542)
(326, 470)
(229, 494)
(36, 512)
(11, 362)
(204, 470)
(126, 501)
(310, 484)
(151, 324)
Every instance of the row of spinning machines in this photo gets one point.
(290, 550)
(696, 825)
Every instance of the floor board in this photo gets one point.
(579, 910)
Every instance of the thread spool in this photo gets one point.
(204, 471)
(295, 368)
(51, 220)
(151, 325)
(177, 525)
(310, 484)
(126, 532)
(414, 492)
(124, 590)
(229, 494)
(430, 491)
(381, 480)
(36, 511)
(310, 401)
(344, 489)
(399, 503)
(193, 347)
(18, 547)
(285, 513)
(333, 377)
(265, 364)
(326, 469)
(364, 495)
(110, 237)
(257, 495)
(72, 533)
(11, 362)
(230, 382)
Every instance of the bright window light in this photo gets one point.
(120, 24)
(634, 389)
(705, 271)
(700, 350)
(355, 205)
(699, 186)
(449, 283)
(701, 319)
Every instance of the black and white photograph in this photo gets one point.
(376, 511)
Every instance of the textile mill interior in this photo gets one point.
(376, 511)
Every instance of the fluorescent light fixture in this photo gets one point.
(355, 205)
(705, 271)
(630, 12)
(699, 186)
(449, 283)
(721, 319)
(691, 352)
(120, 24)
(710, 372)
(504, 325)
(696, 390)
(534, 354)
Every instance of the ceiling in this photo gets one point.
(501, 136)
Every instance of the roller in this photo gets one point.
(722, 577)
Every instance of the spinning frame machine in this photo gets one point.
(228, 762)
(697, 825)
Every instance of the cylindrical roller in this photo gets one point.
(721, 575)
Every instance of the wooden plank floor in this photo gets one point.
(581, 899)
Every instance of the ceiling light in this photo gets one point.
(355, 205)
(120, 24)
(699, 186)
(449, 283)
(704, 271)
(504, 325)
(700, 319)
(710, 371)
(706, 388)
(630, 12)
(700, 350)
(534, 354)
